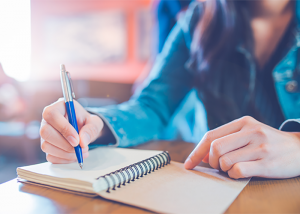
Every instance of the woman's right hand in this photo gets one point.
(58, 136)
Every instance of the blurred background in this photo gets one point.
(107, 45)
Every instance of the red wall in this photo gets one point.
(123, 72)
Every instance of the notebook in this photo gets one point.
(142, 178)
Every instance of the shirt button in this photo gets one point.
(291, 86)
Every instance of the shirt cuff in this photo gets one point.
(291, 125)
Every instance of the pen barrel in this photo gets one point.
(73, 121)
(71, 115)
(78, 152)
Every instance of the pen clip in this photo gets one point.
(71, 84)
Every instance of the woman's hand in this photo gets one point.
(58, 136)
(246, 148)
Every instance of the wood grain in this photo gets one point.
(259, 196)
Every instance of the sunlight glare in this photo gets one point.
(15, 38)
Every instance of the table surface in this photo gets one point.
(259, 196)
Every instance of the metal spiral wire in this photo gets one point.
(136, 170)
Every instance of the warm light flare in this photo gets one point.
(15, 38)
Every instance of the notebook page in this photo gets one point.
(172, 189)
(101, 161)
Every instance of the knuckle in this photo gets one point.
(45, 131)
(209, 136)
(44, 146)
(258, 131)
(225, 163)
(264, 148)
(47, 113)
(216, 147)
(239, 172)
(51, 159)
(246, 120)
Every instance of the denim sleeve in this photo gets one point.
(291, 125)
(147, 113)
(174, 7)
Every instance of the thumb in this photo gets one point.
(90, 131)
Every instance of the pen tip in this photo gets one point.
(81, 165)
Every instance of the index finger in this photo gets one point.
(54, 115)
(203, 148)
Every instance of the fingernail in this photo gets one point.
(72, 141)
(188, 164)
(86, 138)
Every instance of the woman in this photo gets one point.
(242, 57)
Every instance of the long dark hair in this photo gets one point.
(220, 27)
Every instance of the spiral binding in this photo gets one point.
(135, 171)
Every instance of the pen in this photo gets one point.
(69, 95)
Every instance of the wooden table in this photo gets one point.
(259, 196)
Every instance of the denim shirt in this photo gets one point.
(147, 113)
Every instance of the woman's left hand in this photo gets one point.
(246, 148)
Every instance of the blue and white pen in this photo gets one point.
(69, 95)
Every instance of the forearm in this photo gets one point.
(146, 114)
(130, 123)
